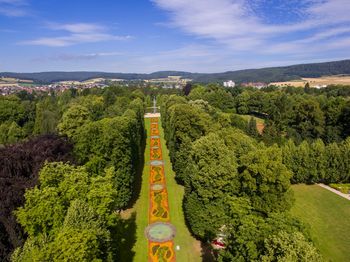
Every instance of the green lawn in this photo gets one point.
(140, 248)
(328, 216)
(189, 248)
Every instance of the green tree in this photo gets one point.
(308, 119)
(186, 122)
(344, 175)
(265, 179)
(345, 120)
(242, 103)
(212, 176)
(80, 245)
(4, 129)
(318, 162)
(334, 163)
(212, 168)
(287, 247)
(238, 122)
(252, 129)
(238, 142)
(14, 133)
(12, 110)
(47, 117)
(75, 117)
(43, 211)
(297, 159)
(247, 234)
(68, 215)
(80, 215)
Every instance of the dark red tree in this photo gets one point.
(19, 167)
(187, 89)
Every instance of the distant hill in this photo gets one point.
(272, 74)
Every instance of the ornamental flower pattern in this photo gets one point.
(159, 207)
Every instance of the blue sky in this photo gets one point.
(152, 35)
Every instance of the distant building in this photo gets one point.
(257, 85)
(300, 83)
(229, 84)
(319, 86)
(175, 80)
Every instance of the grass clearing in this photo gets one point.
(328, 215)
(257, 119)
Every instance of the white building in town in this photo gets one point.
(229, 84)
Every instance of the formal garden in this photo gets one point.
(160, 232)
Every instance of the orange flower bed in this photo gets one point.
(159, 205)
(155, 142)
(161, 252)
(157, 175)
(154, 132)
(156, 154)
(159, 211)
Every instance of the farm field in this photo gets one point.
(329, 80)
(319, 81)
(327, 214)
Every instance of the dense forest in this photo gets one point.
(273, 74)
(237, 180)
(69, 161)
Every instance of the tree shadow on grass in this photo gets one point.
(206, 253)
(124, 239)
(206, 249)
(138, 176)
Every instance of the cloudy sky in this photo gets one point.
(189, 35)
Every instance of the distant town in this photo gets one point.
(12, 85)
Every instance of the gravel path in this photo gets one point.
(347, 196)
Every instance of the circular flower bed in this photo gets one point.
(160, 232)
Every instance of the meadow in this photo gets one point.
(327, 214)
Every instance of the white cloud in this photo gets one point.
(325, 34)
(13, 8)
(77, 34)
(233, 23)
(75, 57)
(77, 28)
(331, 11)
(13, 2)
(12, 12)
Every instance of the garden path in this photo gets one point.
(347, 196)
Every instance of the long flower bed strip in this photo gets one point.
(159, 213)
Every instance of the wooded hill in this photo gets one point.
(271, 74)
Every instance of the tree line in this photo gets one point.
(315, 162)
(289, 113)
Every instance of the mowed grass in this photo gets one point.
(140, 248)
(328, 216)
(189, 247)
